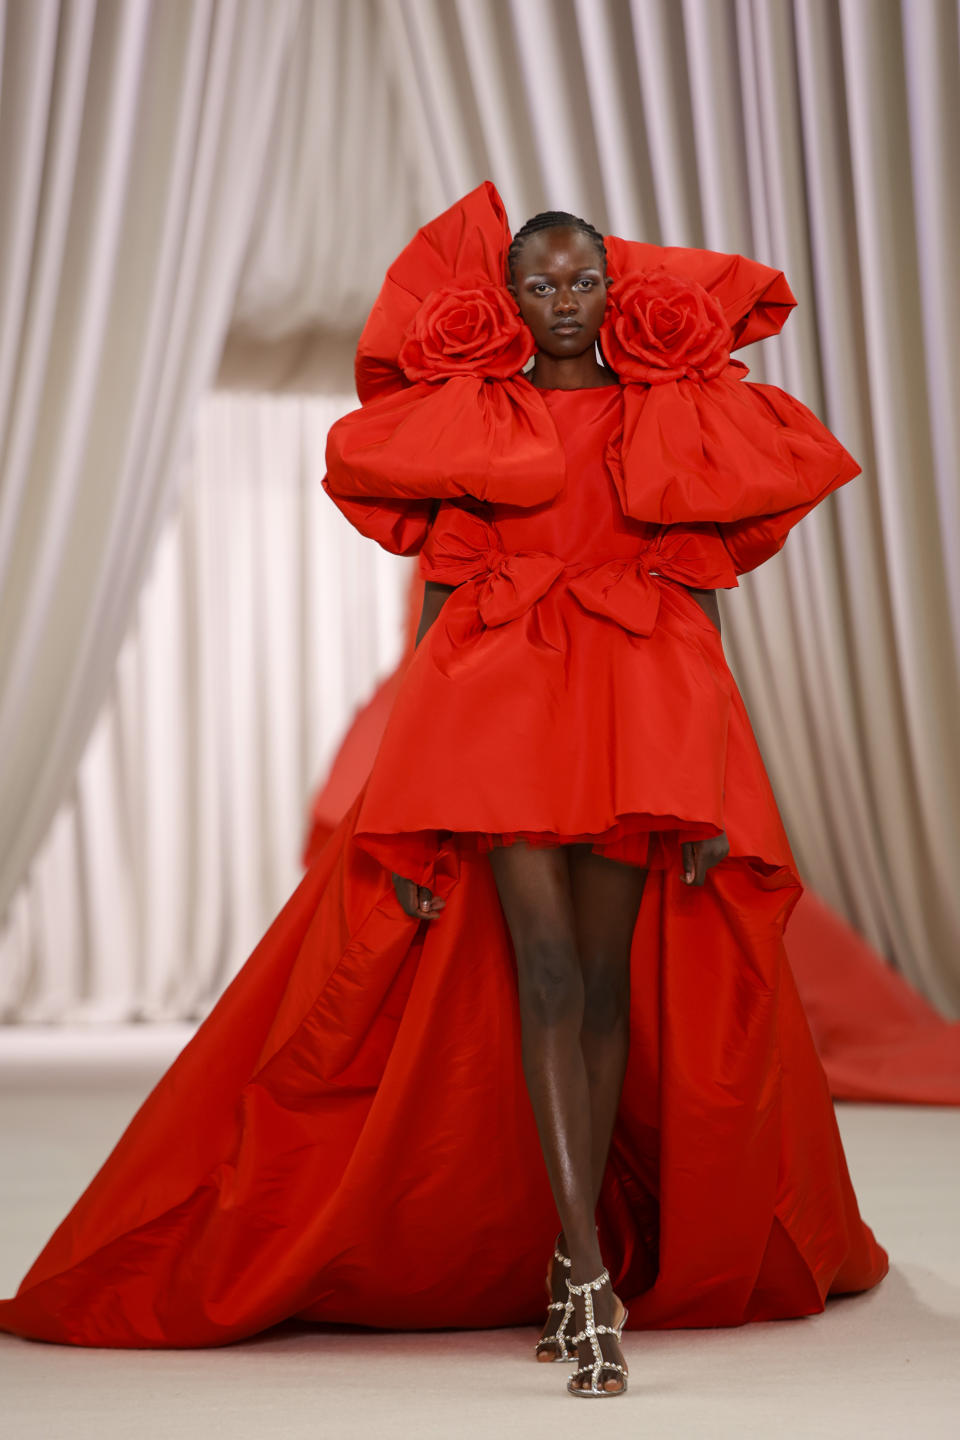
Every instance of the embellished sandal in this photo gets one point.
(558, 1340)
(591, 1331)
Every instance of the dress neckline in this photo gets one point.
(576, 390)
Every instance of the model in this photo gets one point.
(537, 973)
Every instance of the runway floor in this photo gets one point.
(884, 1366)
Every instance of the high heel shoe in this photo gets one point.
(590, 1332)
(558, 1339)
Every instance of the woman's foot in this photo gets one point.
(604, 1310)
(549, 1347)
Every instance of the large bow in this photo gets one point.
(464, 547)
(627, 591)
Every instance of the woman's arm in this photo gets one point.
(707, 600)
(417, 900)
(698, 856)
(434, 595)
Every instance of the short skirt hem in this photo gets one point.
(430, 857)
(651, 849)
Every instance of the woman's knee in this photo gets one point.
(551, 986)
(606, 996)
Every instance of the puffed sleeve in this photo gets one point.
(701, 443)
(400, 526)
(492, 440)
(820, 466)
(752, 459)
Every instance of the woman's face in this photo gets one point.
(561, 290)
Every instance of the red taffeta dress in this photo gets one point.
(348, 1137)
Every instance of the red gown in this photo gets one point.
(348, 1138)
(574, 688)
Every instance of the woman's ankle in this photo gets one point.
(583, 1250)
(586, 1263)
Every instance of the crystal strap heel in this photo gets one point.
(591, 1331)
(558, 1339)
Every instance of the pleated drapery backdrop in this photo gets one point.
(815, 135)
(261, 625)
(131, 143)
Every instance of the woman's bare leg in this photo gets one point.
(606, 901)
(535, 892)
(534, 888)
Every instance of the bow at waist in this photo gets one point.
(621, 590)
(624, 590)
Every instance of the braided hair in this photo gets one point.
(552, 220)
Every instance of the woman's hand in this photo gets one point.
(699, 855)
(416, 900)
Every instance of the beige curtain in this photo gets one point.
(816, 135)
(131, 146)
(344, 187)
(262, 622)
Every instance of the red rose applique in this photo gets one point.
(659, 326)
(466, 332)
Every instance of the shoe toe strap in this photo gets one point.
(595, 1371)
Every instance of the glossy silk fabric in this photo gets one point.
(348, 1137)
(573, 687)
(447, 413)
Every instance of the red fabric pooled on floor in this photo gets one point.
(877, 1037)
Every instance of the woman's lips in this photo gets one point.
(566, 327)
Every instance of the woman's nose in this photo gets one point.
(565, 304)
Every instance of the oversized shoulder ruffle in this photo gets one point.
(466, 246)
(755, 298)
(701, 442)
(447, 413)
(475, 426)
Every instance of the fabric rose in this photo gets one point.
(659, 327)
(466, 332)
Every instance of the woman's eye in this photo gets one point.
(542, 288)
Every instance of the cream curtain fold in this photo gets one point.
(261, 624)
(343, 189)
(131, 145)
(182, 173)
